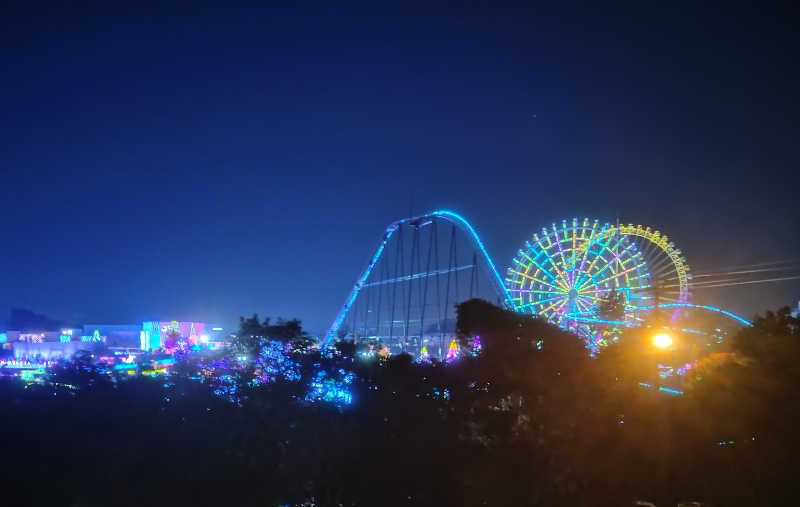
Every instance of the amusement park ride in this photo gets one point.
(566, 273)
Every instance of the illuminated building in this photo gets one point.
(34, 337)
(171, 335)
(66, 335)
(114, 335)
(47, 350)
(41, 344)
(151, 335)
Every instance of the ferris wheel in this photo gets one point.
(669, 273)
(567, 274)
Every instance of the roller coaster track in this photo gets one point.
(446, 215)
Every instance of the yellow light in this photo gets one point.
(662, 340)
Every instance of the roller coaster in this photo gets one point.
(568, 273)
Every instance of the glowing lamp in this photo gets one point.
(662, 340)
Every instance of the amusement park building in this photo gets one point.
(147, 336)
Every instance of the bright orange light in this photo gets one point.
(662, 340)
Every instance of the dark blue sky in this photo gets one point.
(209, 163)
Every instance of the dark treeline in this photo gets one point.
(21, 319)
(531, 421)
(253, 333)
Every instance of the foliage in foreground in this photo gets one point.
(532, 421)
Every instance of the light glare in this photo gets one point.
(662, 340)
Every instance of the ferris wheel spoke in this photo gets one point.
(610, 264)
(587, 245)
(553, 306)
(558, 244)
(640, 278)
(529, 291)
(572, 253)
(646, 247)
(537, 280)
(589, 276)
(534, 291)
(583, 303)
(662, 265)
(540, 302)
(545, 271)
(564, 264)
(561, 310)
(550, 259)
(598, 254)
(530, 277)
(670, 286)
(618, 274)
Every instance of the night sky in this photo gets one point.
(210, 163)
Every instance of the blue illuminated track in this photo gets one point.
(726, 313)
(586, 317)
(462, 222)
(447, 215)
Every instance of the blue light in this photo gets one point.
(461, 220)
(330, 390)
(337, 323)
(578, 315)
(450, 216)
(275, 363)
(153, 332)
(701, 307)
(694, 331)
(669, 390)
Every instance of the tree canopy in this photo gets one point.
(529, 420)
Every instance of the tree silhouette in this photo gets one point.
(532, 421)
(612, 307)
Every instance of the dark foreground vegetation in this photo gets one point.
(531, 421)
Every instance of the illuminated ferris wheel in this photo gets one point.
(669, 273)
(570, 274)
